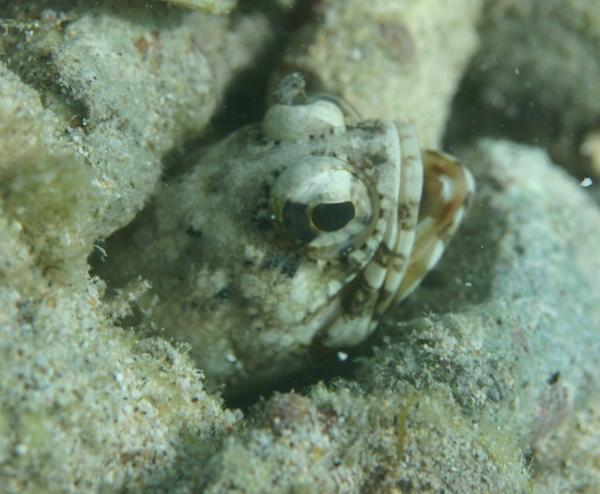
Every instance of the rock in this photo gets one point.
(484, 381)
(590, 147)
(536, 74)
(400, 60)
(87, 406)
(92, 98)
(566, 460)
(551, 45)
(108, 91)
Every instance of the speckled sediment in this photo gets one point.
(87, 406)
(91, 100)
(553, 44)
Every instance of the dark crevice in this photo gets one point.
(473, 115)
(246, 97)
(325, 367)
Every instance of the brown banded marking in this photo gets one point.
(383, 254)
(411, 184)
(447, 190)
(397, 263)
(358, 296)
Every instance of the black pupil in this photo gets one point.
(330, 217)
(295, 220)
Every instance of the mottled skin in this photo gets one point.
(239, 264)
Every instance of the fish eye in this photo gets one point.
(304, 223)
(324, 203)
(331, 217)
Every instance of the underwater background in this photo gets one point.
(483, 380)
